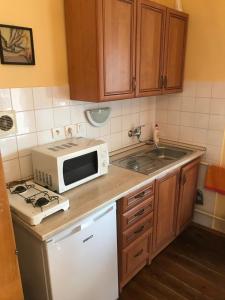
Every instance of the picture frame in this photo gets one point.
(16, 45)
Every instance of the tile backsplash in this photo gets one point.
(197, 116)
(40, 109)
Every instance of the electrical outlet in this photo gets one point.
(81, 130)
(69, 131)
(58, 134)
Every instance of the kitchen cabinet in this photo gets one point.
(165, 213)
(134, 232)
(175, 45)
(119, 49)
(188, 188)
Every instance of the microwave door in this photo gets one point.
(79, 168)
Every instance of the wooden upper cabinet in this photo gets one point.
(117, 40)
(151, 19)
(165, 212)
(175, 46)
(120, 49)
(188, 188)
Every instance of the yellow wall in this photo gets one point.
(205, 58)
(46, 17)
(206, 43)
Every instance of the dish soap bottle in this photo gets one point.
(156, 134)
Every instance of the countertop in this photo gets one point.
(98, 193)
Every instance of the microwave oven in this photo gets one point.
(63, 165)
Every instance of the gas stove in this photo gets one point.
(32, 202)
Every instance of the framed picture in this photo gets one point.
(16, 45)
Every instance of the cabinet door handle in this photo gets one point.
(134, 83)
(139, 253)
(141, 195)
(161, 82)
(140, 213)
(165, 82)
(139, 230)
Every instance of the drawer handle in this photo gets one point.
(139, 253)
(140, 213)
(141, 195)
(140, 229)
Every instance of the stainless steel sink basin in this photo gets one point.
(149, 161)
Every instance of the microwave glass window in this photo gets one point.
(80, 167)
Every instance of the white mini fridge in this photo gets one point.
(82, 260)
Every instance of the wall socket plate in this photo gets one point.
(81, 130)
(69, 131)
(58, 134)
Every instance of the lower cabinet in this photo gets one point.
(188, 189)
(152, 217)
(165, 213)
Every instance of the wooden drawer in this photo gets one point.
(137, 197)
(137, 213)
(135, 256)
(137, 230)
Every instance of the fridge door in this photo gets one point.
(82, 260)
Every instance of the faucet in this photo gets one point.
(136, 132)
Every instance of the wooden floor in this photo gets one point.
(192, 267)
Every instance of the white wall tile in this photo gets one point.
(116, 108)
(11, 170)
(8, 148)
(188, 104)
(215, 138)
(202, 105)
(77, 114)
(201, 121)
(5, 100)
(173, 117)
(162, 102)
(44, 119)
(26, 166)
(61, 116)
(161, 116)
(189, 89)
(116, 124)
(92, 132)
(174, 103)
(200, 136)
(44, 137)
(187, 119)
(213, 154)
(126, 107)
(115, 141)
(61, 96)
(217, 106)
(105, 130)
(172, 132)
(218, 90)
(186, 134)
(204, 89)
(25, 122)
(42, 97)
(25, 143)
(216, 122)
(22, 99)
(136, 105)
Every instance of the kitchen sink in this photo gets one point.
(149, 161)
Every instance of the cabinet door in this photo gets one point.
(150, 45)
(175, 45)
(165, 213)
(188, 187)
(9, 276)
(117, 46)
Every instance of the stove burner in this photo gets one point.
(41, 202)
(19, 189)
